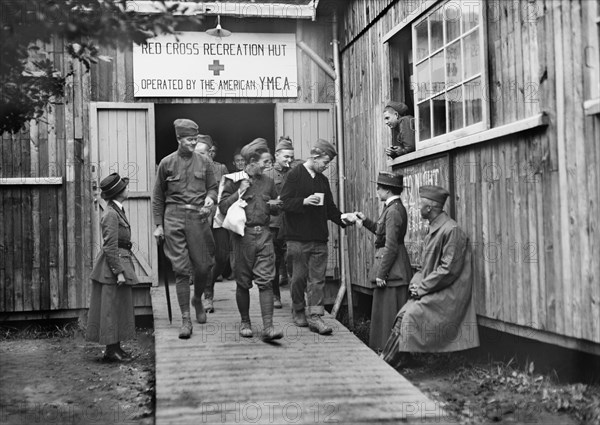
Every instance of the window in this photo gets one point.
(449, 72)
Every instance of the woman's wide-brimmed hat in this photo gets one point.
(386, 178)
(112, 185)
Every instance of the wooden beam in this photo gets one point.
(539, 120)
(540, 335)
(240, 8)
(31, 181)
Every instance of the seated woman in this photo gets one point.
(391, 271)
(111, 318)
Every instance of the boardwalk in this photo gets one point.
(219, 377)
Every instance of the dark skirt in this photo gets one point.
(387, 302)
(111, 317)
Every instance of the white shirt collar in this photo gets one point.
(390, 199)
(311, 172)
(118, 204)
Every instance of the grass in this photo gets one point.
(40, 330)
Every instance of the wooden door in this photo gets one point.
(122, 141)
(304, 123)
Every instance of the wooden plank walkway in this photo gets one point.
(219, 377)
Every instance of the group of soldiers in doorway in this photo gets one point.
(285, 211)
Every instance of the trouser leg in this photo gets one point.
(242, 297)
(298, 253)
(317, 267)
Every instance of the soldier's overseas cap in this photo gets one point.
(112, 185)
(434, 193)
(206, 139)
(399, 107)
(254, 148)
(284, 143)
(185, 127)
(390, 179)
(323, 147)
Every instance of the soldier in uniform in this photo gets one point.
(284, 155)
(184, 193)
(254, 256)
(220, 235)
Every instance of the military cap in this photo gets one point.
(385, 178)
(206, 139)
(254, 148)
(399, 107)
(185, 127)
(284, 143)
(434, 193)
(323, 147)
(112, 185)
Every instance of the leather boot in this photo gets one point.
(316, 324)
(299, 318)
(277, 302)
(186, 326)
(246, 329)
(266, 309)
(200, 313)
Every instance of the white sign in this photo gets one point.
(195, 64)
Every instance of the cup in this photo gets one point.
(321, 197)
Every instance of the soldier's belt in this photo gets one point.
(256, 229)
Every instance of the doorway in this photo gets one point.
(231, 126)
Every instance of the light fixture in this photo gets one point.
(218, 31)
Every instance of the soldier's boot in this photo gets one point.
(299, 318)
(208, 305)
(186, 326)
(269, 332)
(242, 298)
(316, 324)
(200, 313)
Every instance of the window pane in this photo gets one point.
(452, 12)
(422, 41)
(453, 64)
(473, 101)
(437, 30)
(472, 54)
(439, 114)
(438, 81)
(470, 15)
(423, 79)
(424, 121)
(455, 108)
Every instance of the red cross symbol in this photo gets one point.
(216, 67)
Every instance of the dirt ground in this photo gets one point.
(60, 380)
(56, 377)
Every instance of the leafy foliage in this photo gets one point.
(29, 78)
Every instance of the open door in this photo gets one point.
(304, 123)
(122, 141)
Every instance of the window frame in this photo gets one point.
(484, 124)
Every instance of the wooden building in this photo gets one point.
(117, 118)
(505, 96)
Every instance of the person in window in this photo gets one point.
(397, 118)
(111, 318)
(391, 271)
(440, 315)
